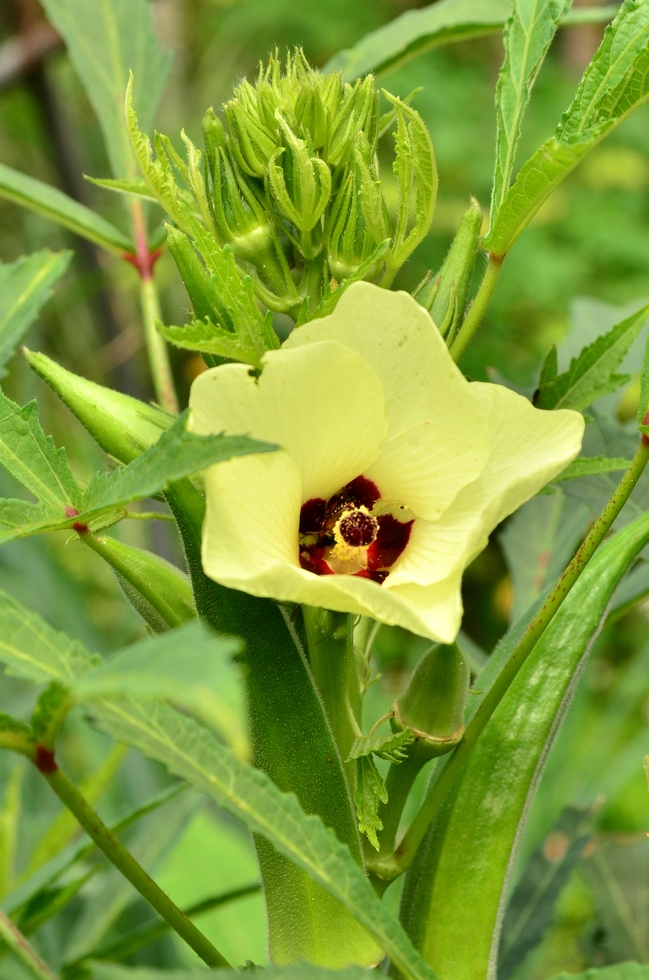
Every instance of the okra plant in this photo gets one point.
(333, 471)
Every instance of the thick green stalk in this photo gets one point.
(396, 864)
(478, 307)
(23, 950)
(118, 855)
(333, 663)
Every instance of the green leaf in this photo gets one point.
(176, 454)
(105, 41)
(31, 457)
(25, 285)
(189, 666)
(192, 753)
(416, 172)
(528, 34)
(390, 747)
(445, 22)
(302, 971)
(591, 465)
(370, 792)
(57, 206)
(615, 84)
(591, 374)
(480, 823)
(531, 909)
(538, 541)
(34, 651)
(136, 187)
(621, 971)
(13, 733)
(30, 892)
(204, 336)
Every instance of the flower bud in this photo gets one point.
(310, 113)
(445, 294)
(349, 241)
(433, 704)
(342, 130)
(158, 590)
(123, 426)
(252, 144)
(300, 184)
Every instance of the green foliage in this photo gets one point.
(58, 207)
(189, 751)
(591, 465)
(591, 375)
(370, 792)
(416, 172)
(445, 294)
(621, 971)
(303, 971)
(106, 43)
(528, 34)
(445, 22)
(31, 458)
(613, 86)
(502, 767)
(390, 747)
(25, 285)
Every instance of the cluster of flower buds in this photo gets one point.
(294, 189)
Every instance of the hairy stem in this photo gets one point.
(478, 307)
(396, 864)
(26, 953)
(333, 663)
(126, 863)
(163, 382)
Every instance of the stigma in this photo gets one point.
(352, 533)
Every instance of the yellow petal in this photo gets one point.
(321, 403)
(528, 447)
(250, 542)
(400, 342)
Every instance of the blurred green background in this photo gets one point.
(590, 240)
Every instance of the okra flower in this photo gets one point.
(393, 469)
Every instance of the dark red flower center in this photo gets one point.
(345, 535)
(357, 528)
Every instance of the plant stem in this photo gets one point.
(399, 781)
(129, 867)
(394, 865)
(478, 307)
(156, 346)
(333, 663)
(26, 953)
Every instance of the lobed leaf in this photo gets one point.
(192, 753)
(528, 34)
(591, 374)
(390, 747)
(590, 466)
(32, 458)
(105, 41)
(369, 793)
(615, 83)
(58, 207)
(25, 285)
